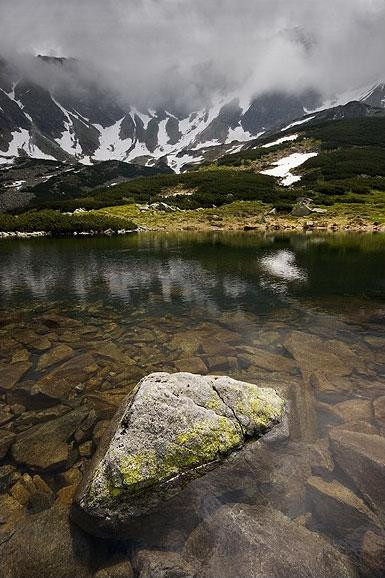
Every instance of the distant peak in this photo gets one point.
(57, 60)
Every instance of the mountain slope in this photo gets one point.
(331, 154)
(28, 180)
(335, 157)
(89, 124)
(351, 137)
(335, 154)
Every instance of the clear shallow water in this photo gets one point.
(304, 314)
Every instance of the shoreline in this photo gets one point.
(39, 234)
(237, 216)
(271, 227)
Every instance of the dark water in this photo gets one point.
(304, 314)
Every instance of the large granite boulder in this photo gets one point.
(172, 429)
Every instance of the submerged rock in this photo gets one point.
(242, 540)
(45, 447)
(373, 554)
(6, 474)
(11, 374)
(338, 508)
(55, 355)
(46, 545)
(314, 354)
(61, 381)
(354, 410)
(150, 563)
(379, 408)
(6, 439)
(118, 567)
(173, 428)
(32, 340)
(361, 456)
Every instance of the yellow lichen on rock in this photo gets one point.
(258, 412)
(205, 442)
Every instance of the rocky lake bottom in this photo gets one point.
(82, 321)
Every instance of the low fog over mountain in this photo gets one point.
(167, 79)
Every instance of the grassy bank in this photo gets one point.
(58, 224)
(254, 214)
(366, 215)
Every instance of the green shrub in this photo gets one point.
(283, 207)
(348, 163)
(211, 187)
(349, 132)
(60, 224)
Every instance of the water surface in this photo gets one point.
(303, 313)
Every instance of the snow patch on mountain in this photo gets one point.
(22, 140)
(111, 145)
(163, 136)
(298, 122)
(282, 168)
(68, 141)
(139, 150)
(178, 162)
(15, 185)
(239, 134)
(6, 161)
(206, 145)
(280, 141)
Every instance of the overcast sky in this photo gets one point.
(151, 51)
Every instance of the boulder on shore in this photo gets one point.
(171, 429)
(304, 207)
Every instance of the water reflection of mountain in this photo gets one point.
(227, 269)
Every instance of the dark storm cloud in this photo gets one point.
(158, 51)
